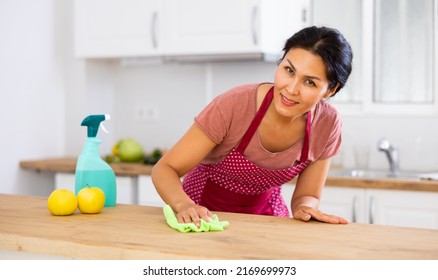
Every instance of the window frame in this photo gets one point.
(367, 106)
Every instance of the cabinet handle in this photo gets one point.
(354, 218)
(154, 30)
(372, 210)
(254, 25)
(304, 16)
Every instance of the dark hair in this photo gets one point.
(331, 46)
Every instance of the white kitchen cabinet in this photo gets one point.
(402, 208)
(126, 186)
(243, 27)
(372, 206)
(117, 28)
(385, 207)
(344, 202)
(130, 190)
(147, 193)
(175, 29)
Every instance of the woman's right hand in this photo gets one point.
(193, 213)
(166, 174)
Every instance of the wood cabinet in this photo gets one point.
(130, 28)
(376, 206)
(118, 28)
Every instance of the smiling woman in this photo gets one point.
(252, 139)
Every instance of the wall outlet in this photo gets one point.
(147, 114)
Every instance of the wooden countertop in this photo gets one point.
(68, 165)
(141, 232)
(383, 184)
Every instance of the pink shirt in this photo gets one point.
(228, 116)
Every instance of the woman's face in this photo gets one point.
(300, 83)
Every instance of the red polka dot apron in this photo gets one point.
(236, 184)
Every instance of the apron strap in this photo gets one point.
(305, 150)
(256, 121)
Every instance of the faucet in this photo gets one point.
(391, 153)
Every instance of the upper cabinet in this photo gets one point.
(118, 28)
(173, 28)
(211, 27)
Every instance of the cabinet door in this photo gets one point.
(210, 26)
(344, 202)
(402, 208)
(213, 27)
(114, 28)
(148, 195)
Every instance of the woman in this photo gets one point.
(252, 139)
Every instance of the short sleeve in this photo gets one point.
(224, 117)
(326, 133)
(213, 121)
(334, 140)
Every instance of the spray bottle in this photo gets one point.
(91, 169)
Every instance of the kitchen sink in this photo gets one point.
(375, 174)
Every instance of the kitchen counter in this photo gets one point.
(141, 232)
(68, 165)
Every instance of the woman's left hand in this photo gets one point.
(305, 213)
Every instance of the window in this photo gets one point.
(395, 54)
(404, 66)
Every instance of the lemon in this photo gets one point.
(91, 200)
(115, 149)
(62, 202)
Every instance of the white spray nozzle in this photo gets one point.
(107, 117)
(103, 128)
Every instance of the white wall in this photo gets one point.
(416, 137)
(46, 93)
(178, 92)
(32, 93)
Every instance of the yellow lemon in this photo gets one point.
(91, 200)
(62, 202)
(115, 150)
